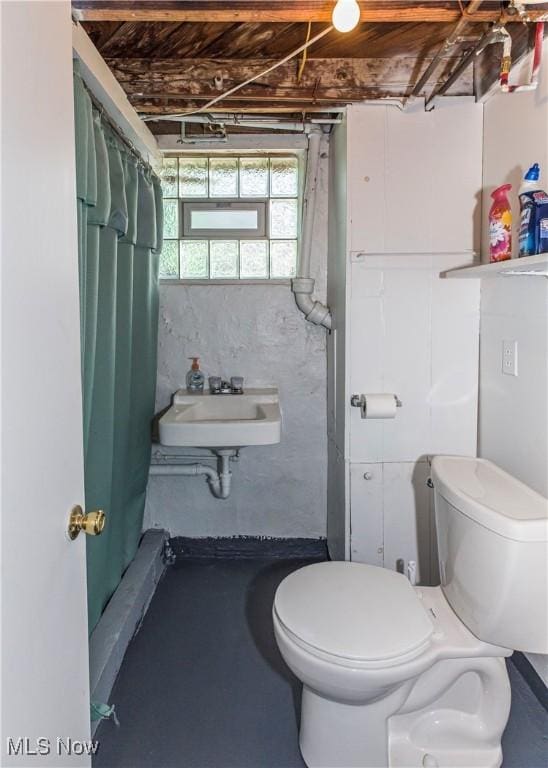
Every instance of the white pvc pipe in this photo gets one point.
(219, 482)
(311, 183)
(314, 311)
(303, 286)
(221, 488)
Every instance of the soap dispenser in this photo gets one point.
(195, 378)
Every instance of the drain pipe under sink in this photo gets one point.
(219, 482)
(303, 286)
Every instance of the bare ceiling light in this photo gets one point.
(346, 15)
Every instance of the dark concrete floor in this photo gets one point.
(203, 686)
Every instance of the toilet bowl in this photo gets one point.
(395, 675)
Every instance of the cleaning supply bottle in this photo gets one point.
(195, 378)
(500, 225)
(533, 224)
(529, 185)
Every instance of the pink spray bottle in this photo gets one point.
(500, 225)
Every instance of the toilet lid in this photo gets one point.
(353, 610)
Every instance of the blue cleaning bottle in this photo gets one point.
(533, 226)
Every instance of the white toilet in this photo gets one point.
(395, 675)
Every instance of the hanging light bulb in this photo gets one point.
(346, 15)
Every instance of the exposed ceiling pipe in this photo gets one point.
(268, 123)
(257, 121)
(497, 34)
(218, 134)
(506, 62)
(445, 47)
(244, 113)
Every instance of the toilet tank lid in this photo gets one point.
(492, 497)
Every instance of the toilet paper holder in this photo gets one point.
(359, 401)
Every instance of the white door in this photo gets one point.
(44, 683)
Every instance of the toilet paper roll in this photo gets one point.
(380, 406)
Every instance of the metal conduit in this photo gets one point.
(493, 35)
(465, 19)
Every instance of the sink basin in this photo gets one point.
(222, 421)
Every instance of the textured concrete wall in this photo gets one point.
(255, 331)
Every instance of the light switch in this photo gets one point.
(510, 357)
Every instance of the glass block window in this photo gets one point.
(230, 218)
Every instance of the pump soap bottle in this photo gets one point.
(195, 378)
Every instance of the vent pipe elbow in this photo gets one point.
(314, 311)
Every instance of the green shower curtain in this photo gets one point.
(120, 237)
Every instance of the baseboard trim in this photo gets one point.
(531, 677)
(247, 548)
(123, 615)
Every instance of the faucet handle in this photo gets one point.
(237, 385)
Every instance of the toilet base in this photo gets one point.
(338, 734)
(451, 716)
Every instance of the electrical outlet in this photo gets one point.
(510, 357)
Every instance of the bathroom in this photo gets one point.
(195, 590)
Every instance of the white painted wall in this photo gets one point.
(45, 675)
(513, 424)
(513, 421)
(255, 331)
(413, 184)
(414, 334)
(515, 137)
(414, 177)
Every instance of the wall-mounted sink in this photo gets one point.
(222, 421)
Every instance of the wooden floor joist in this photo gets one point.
(163, 85)
(265, 11)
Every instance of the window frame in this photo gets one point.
(187, 231)
(297, 153)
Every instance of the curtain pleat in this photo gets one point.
(143, 347)
(128, 539)
(119, 211)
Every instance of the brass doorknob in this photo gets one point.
(91, 523)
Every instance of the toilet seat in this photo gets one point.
(353, 614)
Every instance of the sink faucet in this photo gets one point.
(219, 386)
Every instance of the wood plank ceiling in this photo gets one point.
(173, 57)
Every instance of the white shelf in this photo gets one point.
(536, 266)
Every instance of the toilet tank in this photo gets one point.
(492, 533)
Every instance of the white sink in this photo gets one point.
(222, 421)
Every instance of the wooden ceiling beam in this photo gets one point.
(160, 81)
(272, 109)
(243, 108)
(271, 11)
(168, 86)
